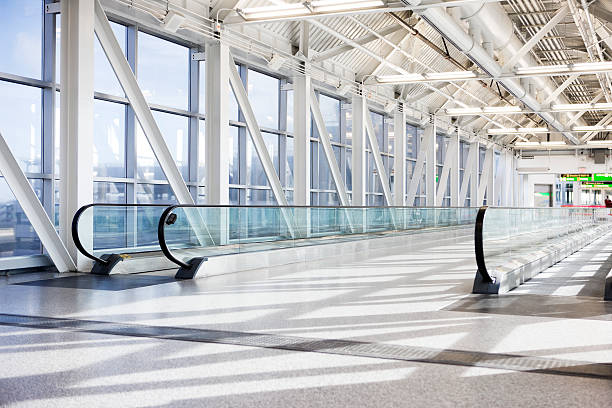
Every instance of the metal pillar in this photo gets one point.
(399, 164)
(484, 182)
(33, 209)
(417, 174)
(359, 165)
(470, 175)
(76, 117)
(380, 166)
(328, 149)
(430, 165)
(449, 171)
(301, 133)
(218, 141)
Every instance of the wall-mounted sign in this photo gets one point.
(602, 177)
(577, 177)
(596, 185)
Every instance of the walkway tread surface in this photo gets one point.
(400, 329)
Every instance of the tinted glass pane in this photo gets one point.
(234, 167)
(377, 123)
(289, 163)
(163, 71)
(109, 139)
(174, 130)
(330, 110)
(263, 93)
(17, 237)
(257, 176)
(154, 194)
(20, 124)
(21, 37)
(105, 80)
(111, 193)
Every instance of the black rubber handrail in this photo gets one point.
(478, 246)
(161, 235)
(168, 211)
(75, 226)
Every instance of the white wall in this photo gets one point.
(562, 164)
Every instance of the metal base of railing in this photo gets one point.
(483, 287)
(111, 260)
(195, 264)
(608, 291)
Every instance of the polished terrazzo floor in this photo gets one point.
(512, 346)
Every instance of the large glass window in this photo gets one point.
(109, 139)
(17, 237)
(255, 170)
(263, 93)
(20, 124)
(105, 80)
(174, 128)
(21, 37)
(163, 71)
(330, 110)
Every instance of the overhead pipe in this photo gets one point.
(493, 24)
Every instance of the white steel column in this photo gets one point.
(399, 165)
(218, 142)
(380, 166)
(449, 171)
(455, 173)
(470, 174)
(487, 170)
(491, 187)
(328, 149)
(475, 169)
(33, 209)
(359, 165)
(76, 118)
(430, 165)
(301, 134)
(417, 174)
(139, 104)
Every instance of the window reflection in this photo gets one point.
(174, 128)
(20, 124)
(21, 37)
(17, 237)
(109, 139)
(263, 93)
(163, 71)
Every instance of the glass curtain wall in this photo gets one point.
(125, 169)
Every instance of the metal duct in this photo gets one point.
(493, 24)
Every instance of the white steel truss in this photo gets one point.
(33, 209)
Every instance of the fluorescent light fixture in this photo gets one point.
(527, 144)
(330, 6)
(599, 142)
(565, 68)
(570, 107)
(305, 8)
(595, 128)
(503, 131)
(486, 109)
(426, 77)
(283, 10)
(554, 143)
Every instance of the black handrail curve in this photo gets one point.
(75, 226)
(161, 235)
(478, 246)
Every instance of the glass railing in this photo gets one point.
(507, 234)
(240, 229)
(100, 230)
